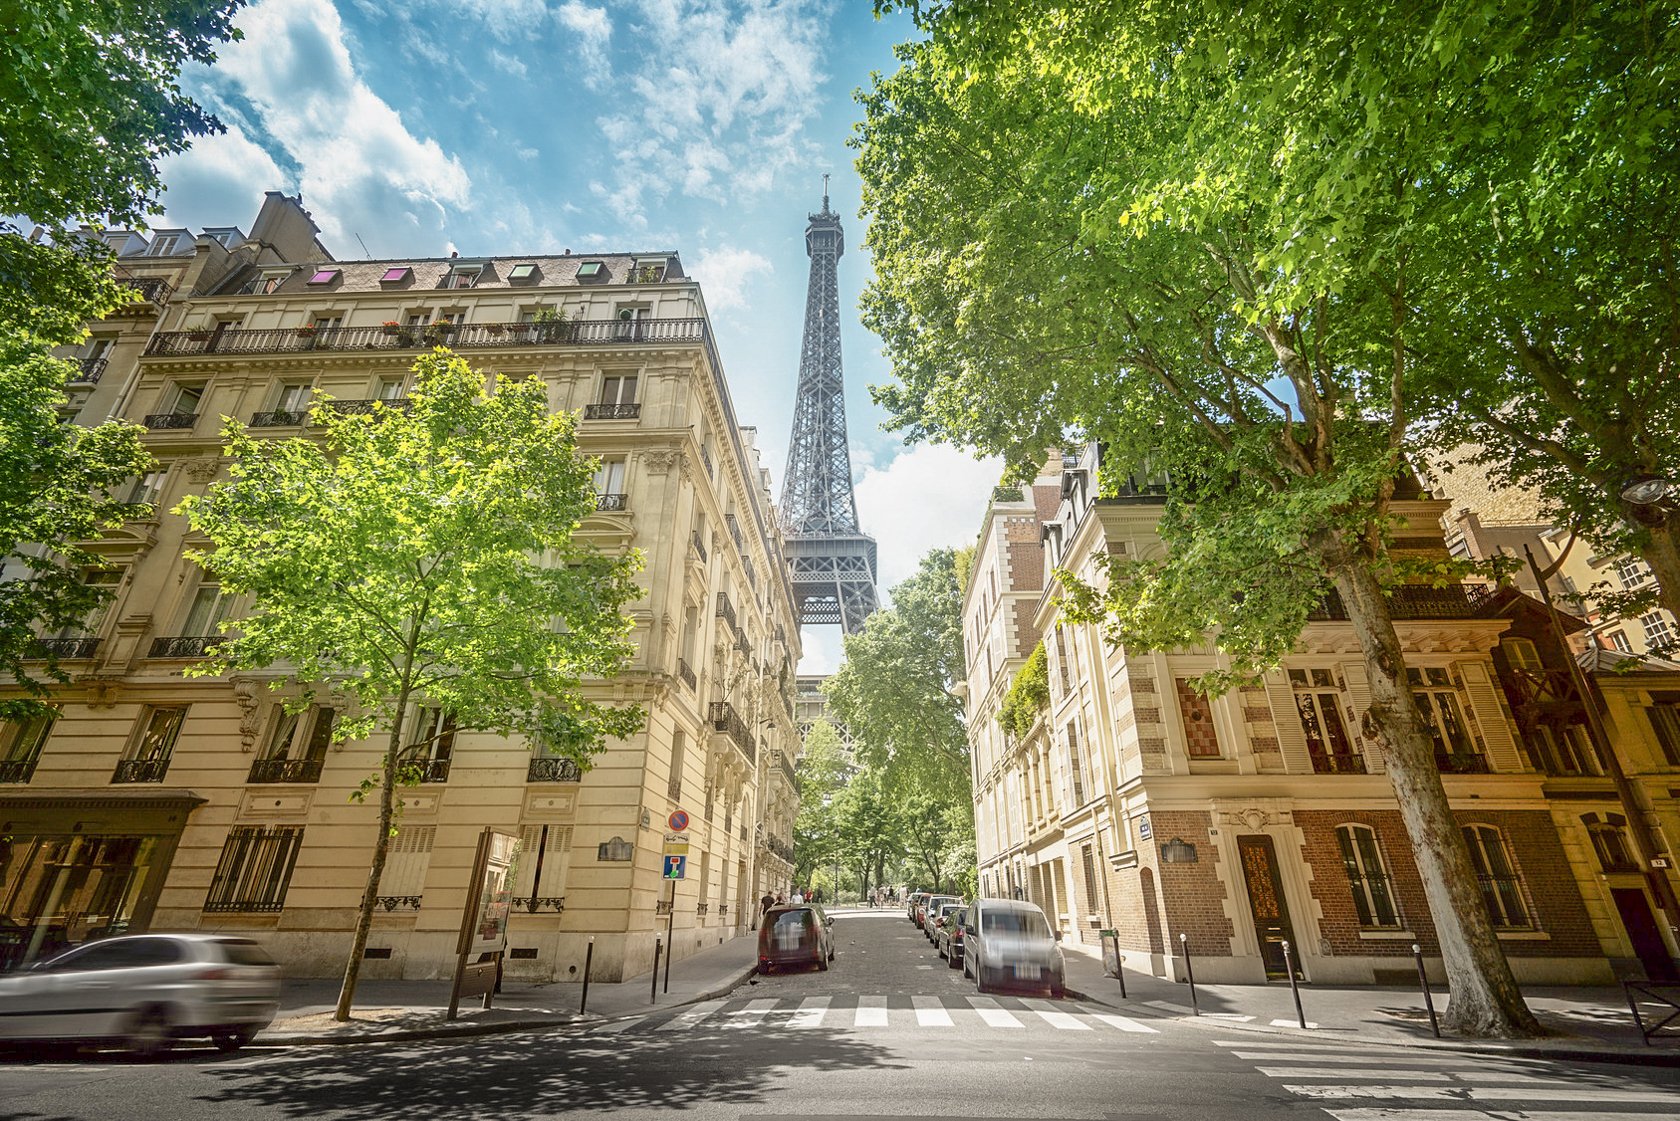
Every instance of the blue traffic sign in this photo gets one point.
(675, 866)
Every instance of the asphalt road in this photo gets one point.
(889, 1031)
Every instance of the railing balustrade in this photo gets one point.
(88, 370)
(67, 648)
(185, 645)
(365, 405)
(725, 719)
(725, 609)
(392, 902)
(1338, 763)
(17, 770)
(280, 418)
(1462, 763)
(170, 420)
(148, 289)
(548, 768)
(141, 770)
(612, 503)
(1412, 601)
(286, 340)
(686, 672)
(603, 411)
(285, 770)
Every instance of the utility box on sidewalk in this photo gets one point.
(1110, 951)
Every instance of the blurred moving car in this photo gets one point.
(796, 934)
(928, 908)
(938, 917)
(1008, 943)
(145, 991)
(950, 940)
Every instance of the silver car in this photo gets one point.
(1008, 944)
(145, 991)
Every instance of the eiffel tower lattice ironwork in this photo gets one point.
(832, 559)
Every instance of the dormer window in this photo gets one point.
(396, 274)
(522, 272)
(324, 276)
(648, 271)
(267, 281)
(463, 276)
(592, 270)
(164, 245)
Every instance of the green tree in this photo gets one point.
(868, 827)
(896, 691)
(424, 556)
(822, 775)
(1125, 224)
(91, 105)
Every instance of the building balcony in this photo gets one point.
(363, 406)
(88, 370)
(185, 645)
(429, 770)
(280, 418)
(612, 412)
(170, 421)
(1462, 763)
(734, 525)
(726, 610)
(464, 336)
(785, 764)
(1338, 763)
(726, 721)
(81, 647)
(1413, 601)
(706, 458)
(612, 503)
(392, 902)
(551, 768)
(779, 848)
(686, 672)
(17, 770)
(285, 770)
(531, 904)
(141, 770)
(699, 546)
(148, 289)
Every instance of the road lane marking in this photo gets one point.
(994, 1016)
(1300, 1055)
(810, 1013)
(1169, 1006)
(1292, 1024)
(620, 1025)
(1354, 1072)
(1297, 1045)
(750, 1016)
(930, 1013)
(1391, 1114)
(1486, 1093)
(871, 1012)
(692, 1016)
(1119, 1022)
(1059, 1020)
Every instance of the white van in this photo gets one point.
(1009, 944)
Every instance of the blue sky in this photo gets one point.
(509, 126)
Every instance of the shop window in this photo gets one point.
(255, 869)
(1373, 893)
(1496, 874)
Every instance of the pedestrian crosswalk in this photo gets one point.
(1372, 1082)
(932, 1013)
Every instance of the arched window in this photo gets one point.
(1373, 897)
(1502, 888)
(1610, 842)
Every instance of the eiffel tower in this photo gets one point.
(832, 559)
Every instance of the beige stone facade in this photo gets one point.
(1221, 827)
(160, 801)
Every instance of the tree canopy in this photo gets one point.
(424, 555)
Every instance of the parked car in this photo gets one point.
(937, 919)
(798, 934)
(1008, 943)
(950, 940)
(911, 902)
(928, 910)
(145, 991)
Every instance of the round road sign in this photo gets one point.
(678, 820)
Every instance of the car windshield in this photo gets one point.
(801, 918)
(1029, 923)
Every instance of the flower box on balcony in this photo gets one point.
(307, 331)
(198, 336)
(493, 328)
(391, 327)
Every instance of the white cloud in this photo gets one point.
(508, 65)
(360, 168)
(589, 33)
(724, 274)
(927, 497)
(822, 649)
(214, 170)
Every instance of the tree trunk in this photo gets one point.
(381, 846)
(1485, 999)
(1663, 555)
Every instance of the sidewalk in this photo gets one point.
(398, 1010)
(1589, 1023)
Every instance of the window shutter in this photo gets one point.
(1291, 739)
(1359, 699)
(1488, 711)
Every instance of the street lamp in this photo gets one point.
(1652, 493)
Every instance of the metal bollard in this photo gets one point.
(1120, 972)
(653, 987)
(1423, 983)
(588, 960)
(1294, 989)
(1189, 972)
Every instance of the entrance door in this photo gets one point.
(1642, 931)
(1267, 903)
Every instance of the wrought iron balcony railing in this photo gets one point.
(726, 720)
(88, 370)
(148, 289)
(1413, 601)
(280, 418)
(1338, 763)
(171, 420)
(602, 411)
(185, 645)
(699, 545)
(734, 525)
(786, 764)
(430, 770)
(365, 405)
(80, 647)
(17, 770)
(706, 458)
(141, 770)
(392, 902)
(725, 609)
(285, 770)
(285, 340)
(531, 904)
(548, 768)
(1462, 763)
(780, 847)
(612, 503)
(686, 672)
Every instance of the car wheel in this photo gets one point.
(232, 1039)
(764, 968)
(151, 1033)
(1057, 992)
(954, 960)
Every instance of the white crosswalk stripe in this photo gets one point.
(1330, 1076)
(930, 1013)
(810, 1013)
(750, 1016)
(620, 1025)
(1055, 1017)
(693, 1016)
(871, 1012)
(1120, 1022)
(994, 1016)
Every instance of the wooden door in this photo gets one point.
(1267, 903)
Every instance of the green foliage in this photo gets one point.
(426, 552)
(1028, 696)
(822, 774)
(896, 690)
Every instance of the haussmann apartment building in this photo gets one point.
(154, 801)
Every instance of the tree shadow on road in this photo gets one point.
(539, 1074)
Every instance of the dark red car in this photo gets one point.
(798, 934)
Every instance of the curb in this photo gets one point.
(469, 1029)
(1569, 1051)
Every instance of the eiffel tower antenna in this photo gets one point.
(832, 559)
